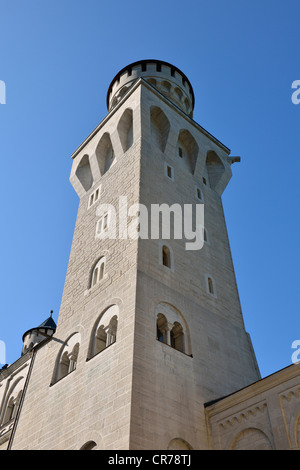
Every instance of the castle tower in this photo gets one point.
(148, 330)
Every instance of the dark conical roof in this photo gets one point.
(49, 324)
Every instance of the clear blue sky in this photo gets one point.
(57, 60)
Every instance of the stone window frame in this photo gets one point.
(106, 215)
(107, 322)
(94, 196)
(97, 268)
(11, 401)
(67, 358)
(167, 320)
(161, 245)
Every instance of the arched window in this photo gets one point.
(104, 332)
(177, 337)
(161, 328)
(179, 444)
(64, 365)
(10, 410)
(171, 328)
(97, 272)
(73, 358)
(166, 257)
(90, 445)
(11, 401)
(66, 361)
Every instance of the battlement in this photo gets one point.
(166, 78)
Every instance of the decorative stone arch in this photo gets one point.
(172, 327)
(165, 88)
(105, 154)
(289, 401)
(179, 444)
(97, 273)
(187, 150)
(178, 95)
(251, 439)
(104, 331)
(88, 439)
(125, 129)
(122, 92)
(67, 357)
(160, 128)
(152, 81)
(11, 400)
(89, 445)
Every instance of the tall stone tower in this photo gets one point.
(148, 330)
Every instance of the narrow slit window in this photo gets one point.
(102, 224)
(105, 222)
(169, 171)
(166, 256)
(94, 197)
(101, 273)
(210, 285)
(95, 276)
(199, 194)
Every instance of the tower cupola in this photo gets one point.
(36, 335)
(166, 78)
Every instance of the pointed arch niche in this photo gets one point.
(84, 173)
(125, 129)
(160, 128)
(215, 168)
(187, 150)
(105, 154)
